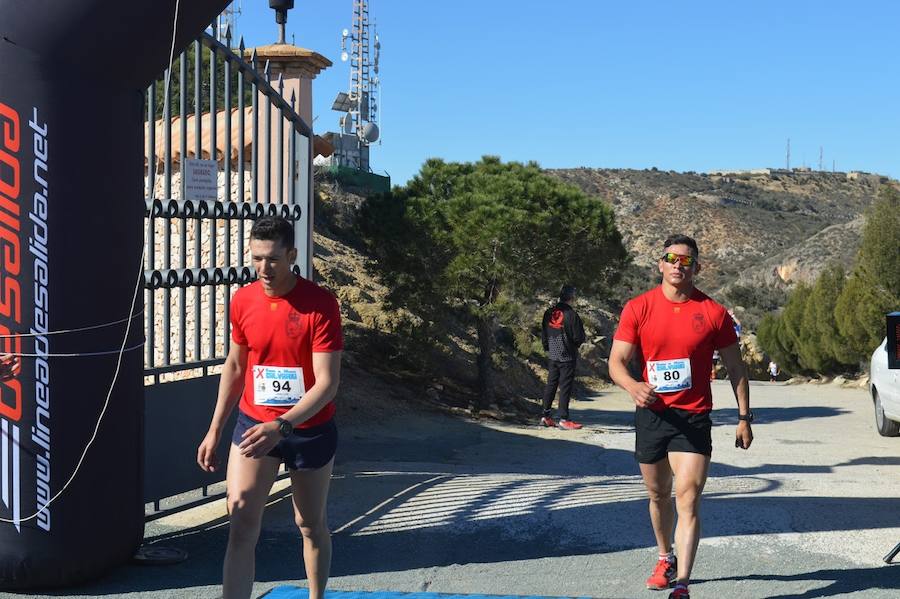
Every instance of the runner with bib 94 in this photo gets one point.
(282, 371)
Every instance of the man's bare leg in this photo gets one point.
(658, 480)
(248, 483)
(310, 493)
(690, 477)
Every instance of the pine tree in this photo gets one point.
(474, 237)
(821, 346)
(791, 332)
(873, 289)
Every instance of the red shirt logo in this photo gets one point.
(556, 319)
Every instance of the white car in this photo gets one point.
(884, 385)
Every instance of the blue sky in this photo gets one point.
(700, 85)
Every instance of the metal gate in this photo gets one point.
(227, 111)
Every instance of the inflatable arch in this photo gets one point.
(72, 76)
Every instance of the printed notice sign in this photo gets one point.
(200, 179)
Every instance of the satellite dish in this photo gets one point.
(370, 132)
(344, 56)
(345, 33)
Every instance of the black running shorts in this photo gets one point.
(658, 433)
(306, 448)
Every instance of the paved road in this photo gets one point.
(424, 503)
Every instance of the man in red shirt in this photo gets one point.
(673, 330)
(283, 368)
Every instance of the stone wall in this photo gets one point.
(210, 298)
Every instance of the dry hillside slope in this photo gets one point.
(776, 228)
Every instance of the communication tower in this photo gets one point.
(360, 103)
(227, 20)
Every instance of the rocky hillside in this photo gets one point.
(768, 231)
(774, 227)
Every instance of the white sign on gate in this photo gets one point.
(200, 180)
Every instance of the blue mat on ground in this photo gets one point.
(287, 592)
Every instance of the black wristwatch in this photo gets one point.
(748, 416)
(284, 427)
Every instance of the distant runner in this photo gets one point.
(773, 371)
(283, 367)
(674, 329)
(562, 333)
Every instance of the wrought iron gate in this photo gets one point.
(226, 110)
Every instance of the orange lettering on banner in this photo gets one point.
(10, 255)
(9, 188)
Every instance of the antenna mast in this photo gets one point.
(227, 21)
(788, 160)
(360, 102)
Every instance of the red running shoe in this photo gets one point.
(680, 592)
(569, 425)
(663, 574)
(548, 422)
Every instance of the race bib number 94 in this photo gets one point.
(277, 385)
(669, 376)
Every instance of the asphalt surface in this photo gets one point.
(424, 502)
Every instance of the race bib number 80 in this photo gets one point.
(277, 385)
(669, 376)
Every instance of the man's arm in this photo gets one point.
(619, 356)
(327, 370)
(231, 384)
(260, 439)
(578, 336)
(9, 366)
(737, 374)
(545, 342)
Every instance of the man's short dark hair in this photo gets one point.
(567, 293)
(682, 240)
(273, 228)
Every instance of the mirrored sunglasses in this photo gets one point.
(672, 258)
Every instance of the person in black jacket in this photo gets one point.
(562, 332)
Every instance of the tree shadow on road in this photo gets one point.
(417, 496)
(777, 414)
(841, 582)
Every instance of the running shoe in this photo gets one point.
(663, 574)
(548, 422)
(680, 593)
(569, 425)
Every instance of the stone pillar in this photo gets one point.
(297, 68)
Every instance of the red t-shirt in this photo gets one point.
(284, 332)
(666, 331)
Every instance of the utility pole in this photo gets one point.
(820, 158)
(788, 160)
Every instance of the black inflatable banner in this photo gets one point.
(71, 232)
